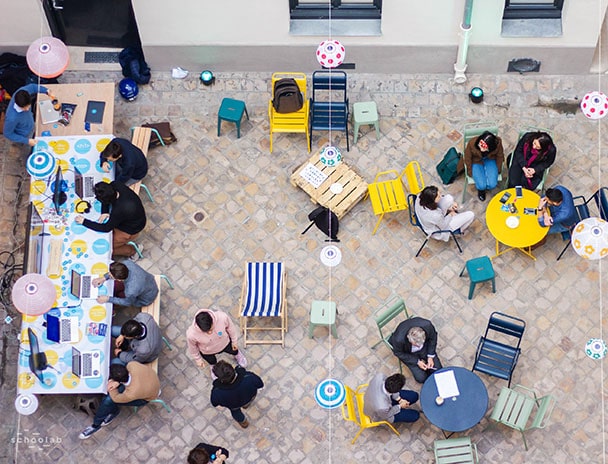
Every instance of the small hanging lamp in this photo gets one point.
(330, 53)
(594, 105)
(47, 57)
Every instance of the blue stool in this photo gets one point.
(480, 270)
(232, 111)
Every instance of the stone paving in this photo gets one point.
(254, 213)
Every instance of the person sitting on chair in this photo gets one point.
(139, 339)
(132, 285)
(204, 453)
(440, 212)
(534, 153)
(556, 210)
(484, 156)
(385, 400)
(125, 214)
(131, 163)
(414, 342)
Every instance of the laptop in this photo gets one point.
(86, 365)
(82, 286)
(84, 185)
(38, 361)
(62, 329)
(48, 114)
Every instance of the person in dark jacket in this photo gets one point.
(139, 339)
(534, 153)
(414, 342)
(132, 285)
(131, 163)
(483, 156)
(204, 453)
(234, 389)
(125, 214)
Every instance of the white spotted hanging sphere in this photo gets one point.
(594, 105)
(330, 53)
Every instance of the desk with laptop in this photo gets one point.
(67, 350)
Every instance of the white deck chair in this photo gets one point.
(263, 296)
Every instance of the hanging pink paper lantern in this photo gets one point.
(47, 57)
(34, 294)
(594, 105)
(330, 53)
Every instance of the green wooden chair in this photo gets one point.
(540, 187)
(456, 451)
(384, 315)
(471, 131)
(514, 408)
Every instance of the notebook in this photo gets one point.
(86, 365)
(48, 114)
(84, 185)
(82, 286)
(95, 112)
(62, 329)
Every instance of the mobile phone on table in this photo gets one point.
(505, 197)
(518, 191)
(530, 211)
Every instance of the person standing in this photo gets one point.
(125, 214)
(19, 121)
(414, 342)
(204, 453)
(130, 162)
(483, 157)
(211, 333)
(234, 389)
(386, 400)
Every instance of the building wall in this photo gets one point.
(234, 35)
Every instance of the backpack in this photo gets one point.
(134, 65)
(164, 129)
(326, 220)
(287, 96)
(448, 167)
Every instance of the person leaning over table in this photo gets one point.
(19, 122)
(556, 210)
(139, 339)
(125, 214)
(440, 212)
(414, 342)
(131, 163)
(384, 399)
(484, 156)
(534, 153)
(132, 285)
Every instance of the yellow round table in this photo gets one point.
(527, 231)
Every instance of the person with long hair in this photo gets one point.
(440, 212)
(534, 153)
(483, 157)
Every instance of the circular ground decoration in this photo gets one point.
(26, 404)
(331, 255)
(330, 393)
(40, 164)
(596, 348)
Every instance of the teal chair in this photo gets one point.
(384, 315)
(231, 111)
(471, 131)
(456, 451)
(514, 409)
(479, 270)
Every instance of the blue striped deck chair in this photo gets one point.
(263, 297)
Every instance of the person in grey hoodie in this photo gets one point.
(139, 339)
(132, 285)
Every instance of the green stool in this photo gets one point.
(480, 270)
(232, 111)
(365, 113)
(323, 313)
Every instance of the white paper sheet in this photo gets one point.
(313, 175)
(446, 384)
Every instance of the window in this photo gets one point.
(538, 18)
(339, 9)
(539, 9)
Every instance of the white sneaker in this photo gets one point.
(241, 360)
(136, 256)
(178, 73)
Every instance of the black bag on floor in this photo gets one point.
(448, 166)
(327, 221)
(164, 130)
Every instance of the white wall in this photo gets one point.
(21, 22)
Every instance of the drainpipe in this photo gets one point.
(463, 45)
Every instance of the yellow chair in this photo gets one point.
(353, 405)
(387, 196)
(413, 175)
(297, 121)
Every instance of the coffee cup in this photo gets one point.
(439, 400)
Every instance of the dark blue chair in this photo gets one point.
(329, 103)
(411, 202)
(498, 358)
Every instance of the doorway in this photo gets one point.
(93, 23)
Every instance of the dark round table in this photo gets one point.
(460, 412)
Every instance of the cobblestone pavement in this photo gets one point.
(254, 213)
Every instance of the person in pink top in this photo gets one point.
(211, 333)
